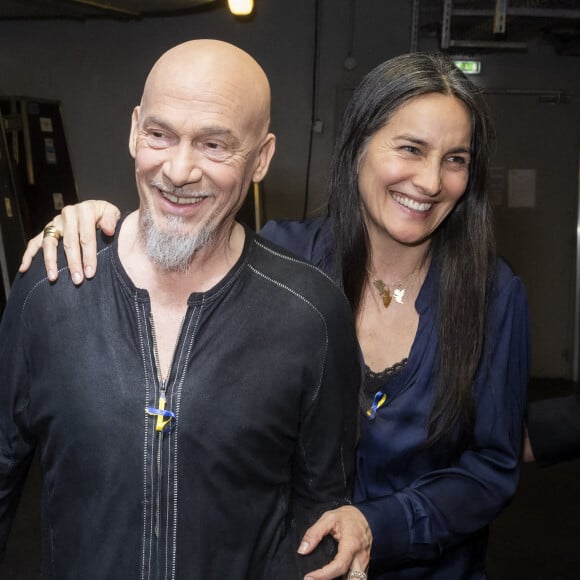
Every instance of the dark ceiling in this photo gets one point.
(500, 25)
(82, 9)
(457, 25)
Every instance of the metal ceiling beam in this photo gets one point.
(499, 16)
(415, 25)
(446, 23)
(557, 13)
(489, 44)
(106, 6)
(563, 13)
(84, 9)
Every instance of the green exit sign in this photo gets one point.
(469, 67)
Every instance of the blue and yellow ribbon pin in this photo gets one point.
(165, 419)
(379, 400)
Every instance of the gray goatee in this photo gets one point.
(171, 249)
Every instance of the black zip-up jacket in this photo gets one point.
(264, 393)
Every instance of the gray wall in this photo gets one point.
(540, 132)
(96, 69)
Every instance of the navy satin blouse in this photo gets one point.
(429, 507)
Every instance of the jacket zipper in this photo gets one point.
(161, 422)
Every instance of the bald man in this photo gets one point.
(194, 405)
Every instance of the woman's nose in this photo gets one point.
(428, 177)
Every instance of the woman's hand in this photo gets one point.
(78, 224)
(350, 529)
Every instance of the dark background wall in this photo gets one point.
(96, 68)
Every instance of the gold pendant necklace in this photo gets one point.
(387, 293)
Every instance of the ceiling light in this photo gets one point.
(241, 7)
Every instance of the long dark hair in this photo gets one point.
(462, 248)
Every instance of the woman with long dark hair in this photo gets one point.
(441, 320)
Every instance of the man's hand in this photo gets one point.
(351, 530)
(78, 224)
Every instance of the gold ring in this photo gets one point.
(52, 231)
(357, 574)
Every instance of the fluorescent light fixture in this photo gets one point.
(241, 7)
(468, 67)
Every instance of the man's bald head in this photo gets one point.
(215, 67)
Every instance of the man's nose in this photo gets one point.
(183, 165)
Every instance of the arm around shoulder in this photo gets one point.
(77, 225)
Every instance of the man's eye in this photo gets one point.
(410, 149)
(216, 151)
(154, 134)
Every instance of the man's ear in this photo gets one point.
(134, 131)
(265, 155)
